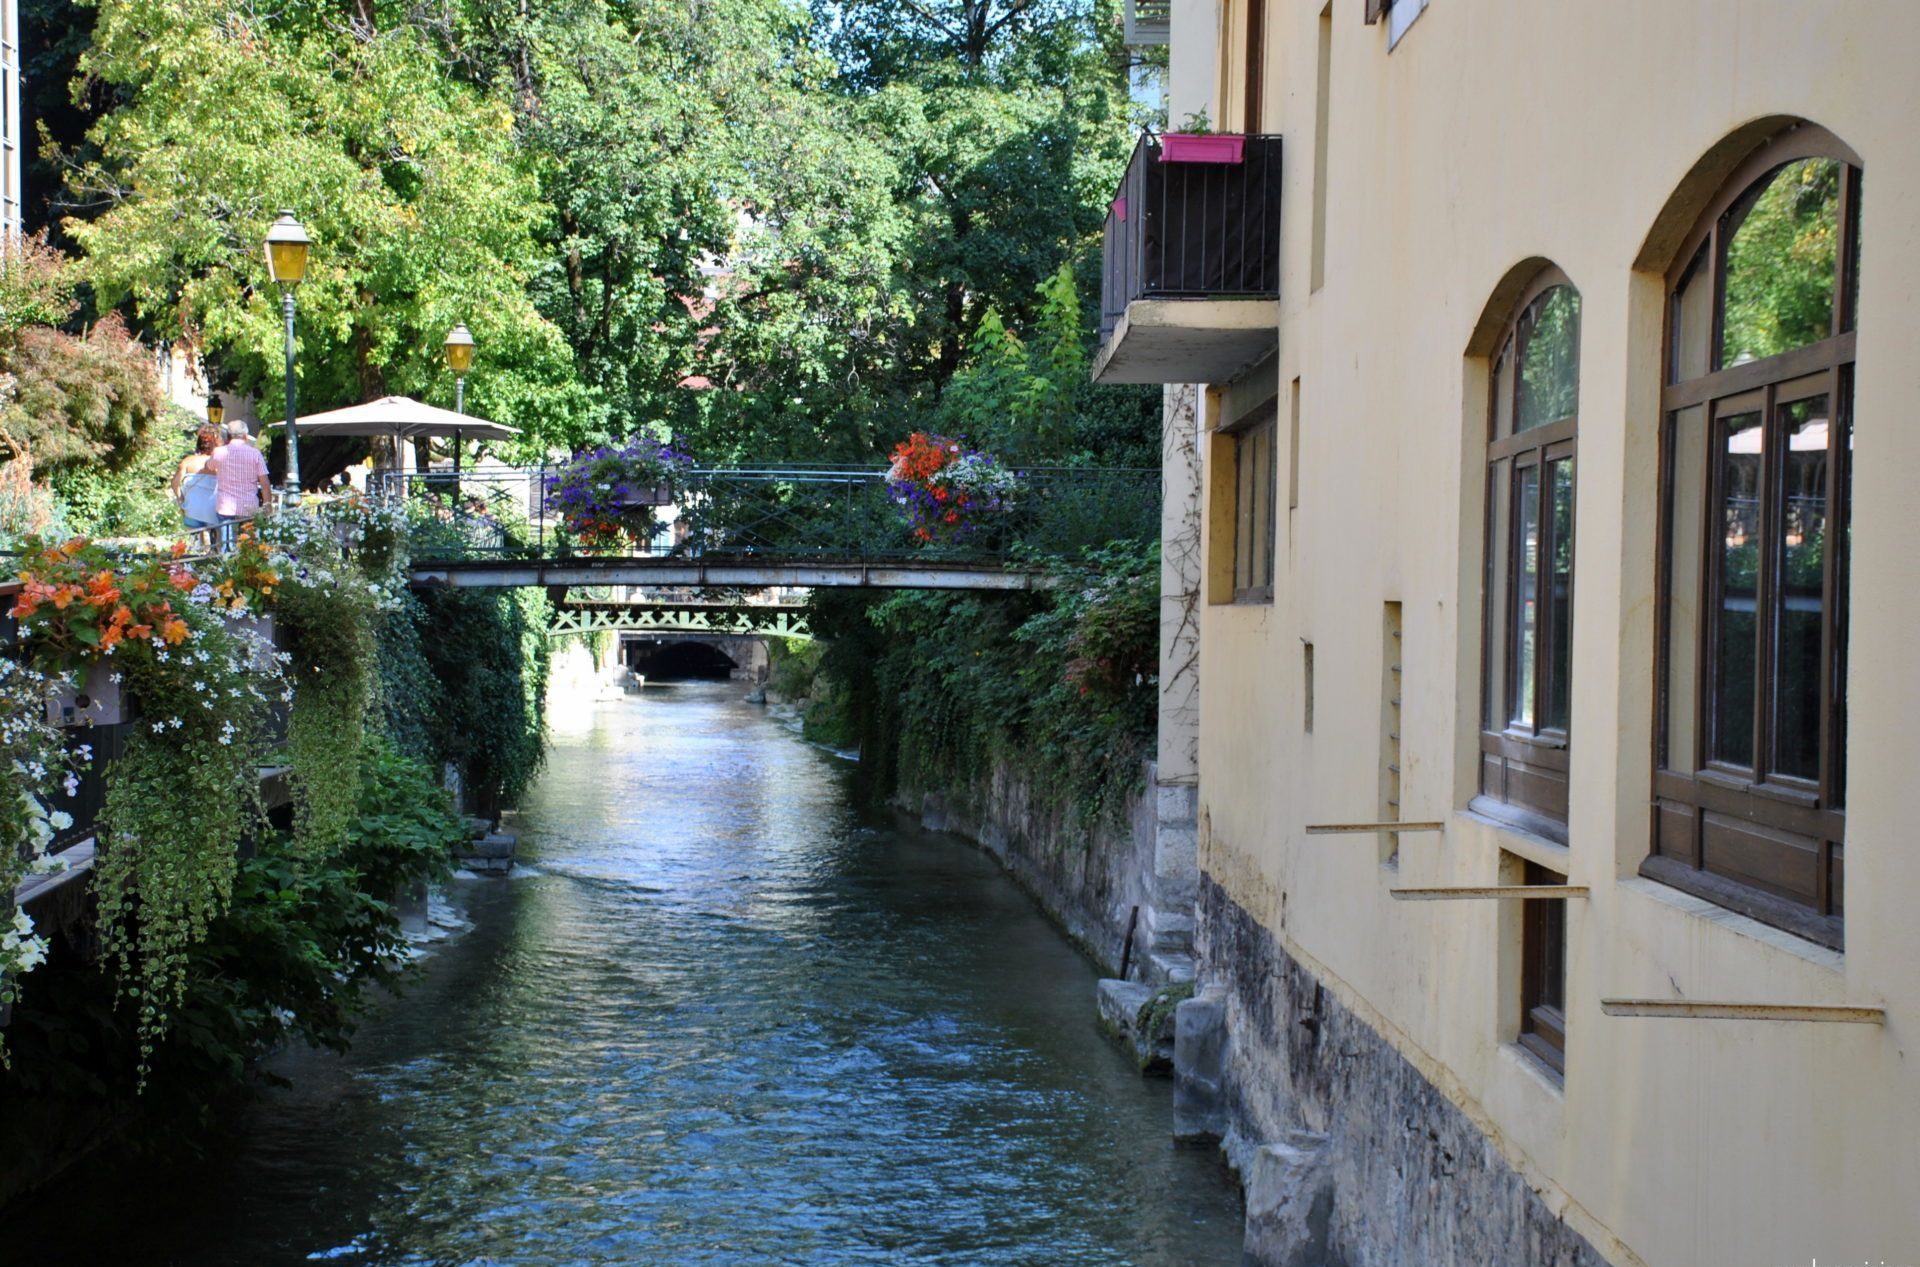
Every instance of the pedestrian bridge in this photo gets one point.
(809, 527)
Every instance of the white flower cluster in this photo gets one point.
(21, 950)
(309, 550)
(979, 475)
(36, 768)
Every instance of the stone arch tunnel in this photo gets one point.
(671, 658)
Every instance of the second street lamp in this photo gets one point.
(286, 248)
(459, 349)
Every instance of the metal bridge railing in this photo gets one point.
(814, 513)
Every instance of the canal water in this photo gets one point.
(718, 1018)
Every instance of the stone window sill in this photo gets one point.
(1740, 925)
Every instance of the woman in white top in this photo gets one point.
(194, 482)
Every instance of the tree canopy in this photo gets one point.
(776, 230)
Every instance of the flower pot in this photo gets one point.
(656, 495)
(1203, 147)
(257, 633)
(96, 701)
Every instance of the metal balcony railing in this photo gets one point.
(1192, 230)
(1149, 22)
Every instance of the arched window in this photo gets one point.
(1527, 688)
(1750, 760)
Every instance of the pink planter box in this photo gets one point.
(1202, 147)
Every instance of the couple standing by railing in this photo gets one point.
(218, 485)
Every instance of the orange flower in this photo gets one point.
(121, 615)
(140, 631)
(179, 548)
(175, 632)
(110, 638)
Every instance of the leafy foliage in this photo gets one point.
(940, 687)
(66, 400)
(1781, 260)
(179, 801)
(130, 502)
(422, 211)
(489, 654)
(291, 957)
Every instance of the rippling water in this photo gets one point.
(720, 1019)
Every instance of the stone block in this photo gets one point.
(499, 845)
(1199, 1067)
(1289, 1203)
(1138, 1015)
(1173, 968)
(1177, 804)
(1169, 928)
(1120, 1002)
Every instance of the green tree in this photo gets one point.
(422, 211)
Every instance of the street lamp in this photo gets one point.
(286, 247)
(216, 412)
(459, 349)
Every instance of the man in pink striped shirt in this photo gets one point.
(241, 487)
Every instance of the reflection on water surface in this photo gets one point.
(720, 1020)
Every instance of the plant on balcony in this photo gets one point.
(948, 489)
(374, 538)
(79, 603)
(606, 496)
(181, 797)
(36, 769)
(324, 607)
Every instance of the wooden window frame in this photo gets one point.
(1265, 415)
(1543, 975)
(1253, 82)
(1513, 756)
(1705, 809)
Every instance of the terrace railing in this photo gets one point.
(1192, 230)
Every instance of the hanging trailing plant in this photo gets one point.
(36, 770)
(186, 790)
(295, 568)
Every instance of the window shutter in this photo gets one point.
(1377, 9)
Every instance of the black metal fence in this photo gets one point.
(1192, 230)
(781, 513)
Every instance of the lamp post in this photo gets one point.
(286, 248)
(216, 413)
(459, 350)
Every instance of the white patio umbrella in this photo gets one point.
(403, 418)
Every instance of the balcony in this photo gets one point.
(1149, 22)
(1191, 267)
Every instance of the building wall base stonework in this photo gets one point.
(1350, 1156)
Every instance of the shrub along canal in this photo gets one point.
(718, 1018)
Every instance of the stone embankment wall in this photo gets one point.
(1090, 879)
(1350, 1157)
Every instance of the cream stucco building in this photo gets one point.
(1526, 485)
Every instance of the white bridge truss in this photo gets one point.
(695, 620)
